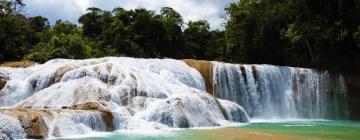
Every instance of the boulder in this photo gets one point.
(90, 106)
(3, 79)
(35, 127)
(2, 83)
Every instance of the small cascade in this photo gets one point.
(267, 91)
(10, 128)
(76, 123)
(44, 123)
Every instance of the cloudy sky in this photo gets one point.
(210, 10)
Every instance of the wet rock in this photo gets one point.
(243, 73)
(59, 73)
(35, 127)
(31, 122)
(3, 79)
(223, 111)
(2, 83)
(254, 72)
(102, 107)
(233, 111)
(34, 121)
(206, 70)
(90, 106)
(108, 118)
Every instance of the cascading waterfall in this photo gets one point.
(267, 91)
(70, 97)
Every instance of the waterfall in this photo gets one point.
(66, 97)
(267, 91)
(73, 97)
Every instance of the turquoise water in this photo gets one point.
(312, 129)
(327, 130)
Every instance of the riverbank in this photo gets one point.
(17, 64)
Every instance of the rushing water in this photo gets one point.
(64, 97)
(267, 91)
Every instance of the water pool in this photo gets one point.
(327, 130)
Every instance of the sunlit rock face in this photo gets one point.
(206, 70)
(72, 97)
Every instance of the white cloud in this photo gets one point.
(71, 10)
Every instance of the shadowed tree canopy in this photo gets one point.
(323, 34)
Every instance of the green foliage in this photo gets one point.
(64, 40)
(321, 34)
(16, 36)
(120, 32)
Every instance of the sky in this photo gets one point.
(71, 10)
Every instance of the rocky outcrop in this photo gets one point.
(103, 107)
(37, 123)
(2, 83)
(90, 106)
(18, 64)
(3, 79)
(60, 72)
(31, 121)
(206, 70)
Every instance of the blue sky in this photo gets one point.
(210, 10)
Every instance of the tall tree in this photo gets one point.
(174, 45)
(12, 28)
(299, 33)
(197, 38)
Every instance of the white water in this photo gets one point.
(10, 128)
(272, 92)
(141, 95)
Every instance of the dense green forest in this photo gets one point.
(323, 34)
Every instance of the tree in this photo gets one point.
(174, 45)
(12, 25)
(147, 32)
(197, 38)
(12, 7)
(306, 33)
(36, 26)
